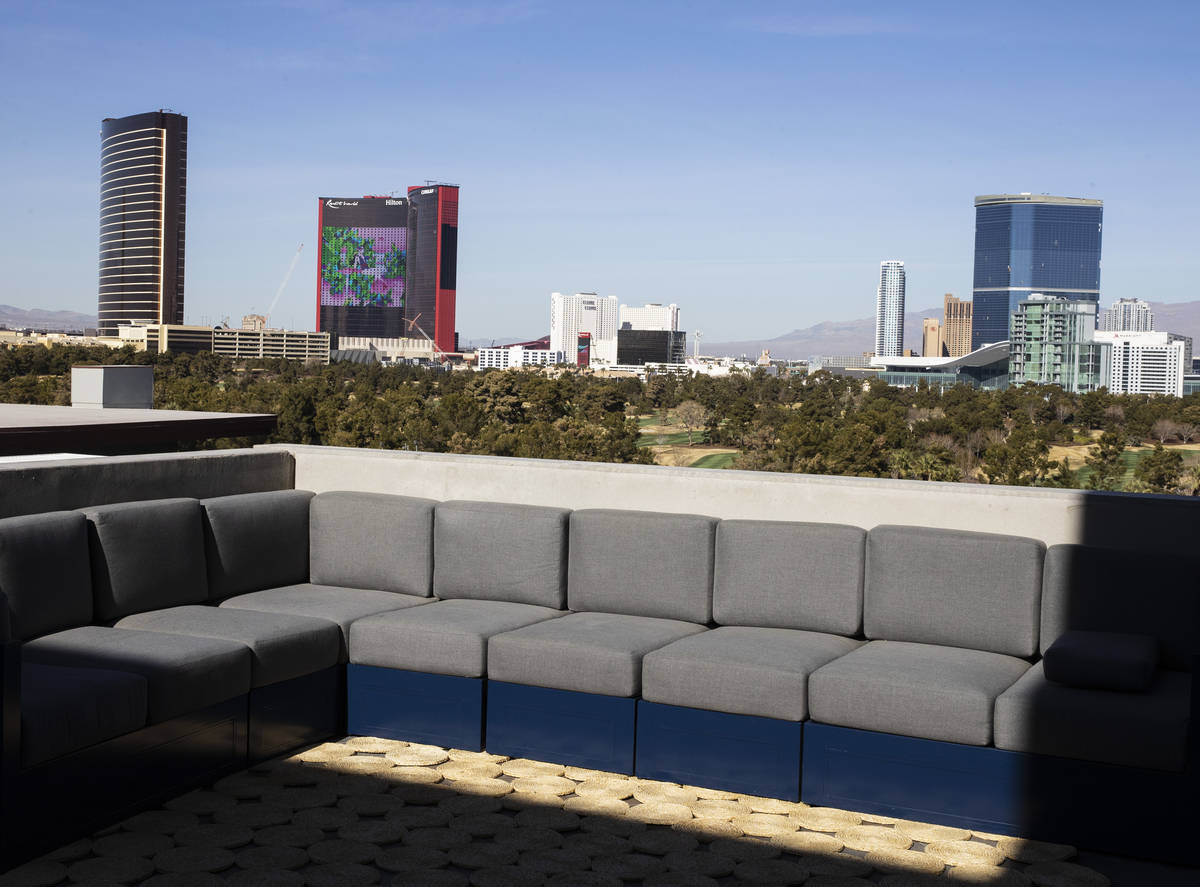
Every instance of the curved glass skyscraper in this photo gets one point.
(1031, 243)
(143, 195)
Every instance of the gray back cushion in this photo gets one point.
(371, 540)
(146, 556)
(642, 563)
(44, 573)
(981, 591)
(778, 574)
(500, 552)
(1094, 589)
(255, 541)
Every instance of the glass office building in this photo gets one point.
(143, 197)
(1031, 243)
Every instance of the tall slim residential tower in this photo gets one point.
(1127, 315)
(1032, 243)
(956, 326)
(433, 261)
(143, 196)
(889, 310)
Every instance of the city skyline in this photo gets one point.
(762, 109)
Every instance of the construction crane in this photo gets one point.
(438, 353)
(286, 278)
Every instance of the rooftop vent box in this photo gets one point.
(112, 387)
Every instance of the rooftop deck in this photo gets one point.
(375, 811)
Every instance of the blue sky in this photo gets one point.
(751, 161)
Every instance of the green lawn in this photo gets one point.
(674, 439)
(1129, 458)
(714, 460)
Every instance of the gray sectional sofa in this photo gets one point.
(949, 676)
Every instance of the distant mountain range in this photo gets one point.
(840, 337)
(39, 319)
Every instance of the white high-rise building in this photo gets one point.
(1127, 316)
(1144, 362)
(585, 313)
(889, 310)
(651, 316)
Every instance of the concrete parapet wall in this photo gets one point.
(32, 487)
(1143, 523)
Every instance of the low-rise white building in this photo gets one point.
(516, 356)
(1144, 362)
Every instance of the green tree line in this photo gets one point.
(818, 424)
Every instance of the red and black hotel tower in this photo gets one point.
(387, 263)
(433, 269)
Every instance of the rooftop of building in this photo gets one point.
(1026, 197)
(26, 428)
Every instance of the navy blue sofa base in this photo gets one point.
(415, 706)
(740, 753)
(1004, 792)
(114, 779)
(298, 712)
(561, 726)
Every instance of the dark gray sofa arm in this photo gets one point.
(10, 703)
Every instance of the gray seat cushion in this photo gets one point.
(780, 574)
(1102, 660)
(587, 652)
(371, 540)
(340, 606)
(446, 637)
(1135, 729)
(1095, 589)
(45, 573)
(981, 591)
(67, 709)
(183, 674)
(255, 541)
(642, 563)
(920, 690)
(146, 556)
(282, 646)
(500, 552)
(744, 671)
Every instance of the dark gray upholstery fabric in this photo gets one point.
(371, 540)
(980, 591)
(917, 690)
(446, 637)
(743, 671)
(1102, 660)
(255, 541)
(1094, 589)
(146, 555)
(1135, 729)
(500, 552)
(183, 674)
(780, 574)
(67, 709)
(642, 563)
(282, 646)
(45, 573)
(340, 606)
(587, 652)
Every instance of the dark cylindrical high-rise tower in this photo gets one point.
(433, 262)
(143, 194)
